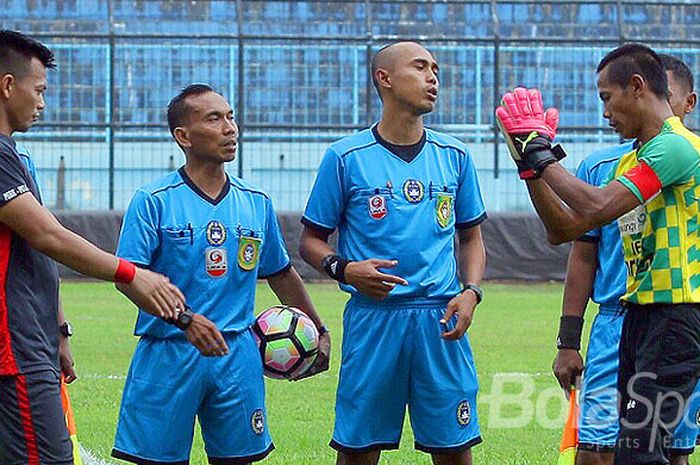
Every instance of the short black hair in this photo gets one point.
(629, 59)
(177, 108)
(17, 50)
(679, 69)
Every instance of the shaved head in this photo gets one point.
(386, 57)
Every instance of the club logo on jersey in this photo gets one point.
(464, 413)
(257, 422)
(248, 251)
(377, 207)
(216, 233)
(413, 190)
(443, 209)
(217, 262)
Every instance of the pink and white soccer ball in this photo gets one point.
(287, 340)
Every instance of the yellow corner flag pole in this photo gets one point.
(569, 438)
(70, 423)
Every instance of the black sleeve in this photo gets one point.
(13, 181)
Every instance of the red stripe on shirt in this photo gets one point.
(8, 364)
(644, 178)
(25, 413)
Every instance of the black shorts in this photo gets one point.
(32, 424)
(659, 367)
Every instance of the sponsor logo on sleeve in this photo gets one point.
(14, 192)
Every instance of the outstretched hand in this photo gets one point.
(154, 294)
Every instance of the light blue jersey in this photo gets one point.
(610, 278)
(214, 250)
(402, 203)
(385, 207)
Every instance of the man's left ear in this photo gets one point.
(638, 84)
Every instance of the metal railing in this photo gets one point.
(296, 74)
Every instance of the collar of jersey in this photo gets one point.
(202, 194)
(393, 148)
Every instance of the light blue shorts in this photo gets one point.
(169, 383)
(599, 420)
(394, 357)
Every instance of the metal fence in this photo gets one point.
(296, 74)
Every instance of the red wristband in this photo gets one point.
(126, 271)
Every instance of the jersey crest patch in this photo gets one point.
(464, 413)
(248, 252)
(216, 233)
(443, 209)
(413, 190)
(377, 207)
(257, 422)
(217, 261)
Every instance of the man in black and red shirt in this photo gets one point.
(32, 428)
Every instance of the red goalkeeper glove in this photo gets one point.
(528, 131)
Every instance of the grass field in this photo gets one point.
(512, 337)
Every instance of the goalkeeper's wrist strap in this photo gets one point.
(559, 152)
(570, 328)
(541, 159)
(334, 265)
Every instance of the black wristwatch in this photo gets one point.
(184, 319)
(476, 290)
(66, 329)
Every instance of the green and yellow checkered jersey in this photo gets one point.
(661, 237)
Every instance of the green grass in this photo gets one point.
(513, 333)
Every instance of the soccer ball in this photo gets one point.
(287, 340)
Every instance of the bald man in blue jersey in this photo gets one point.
(215, 235)
(398, 193)
(596, 270)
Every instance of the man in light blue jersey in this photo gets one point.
(398, 193)
(214, 235)
(597, 270)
